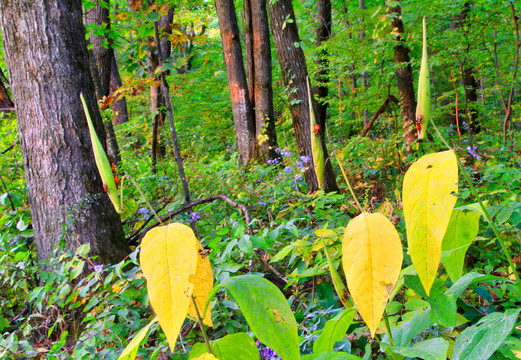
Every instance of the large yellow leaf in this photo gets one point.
(429, 190)
(372, 258)
(203, 280)
(169, 259)
(206, 356)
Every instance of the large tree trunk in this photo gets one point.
(258, 64)
(49, 69)
(323, 34)
(98, 17)
(404, 75)
(295, 72)
(241, 107)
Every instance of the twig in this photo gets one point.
(379, 112)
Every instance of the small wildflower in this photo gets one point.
(195, 217)
(98, 268)
(272, 161)
(299, 164)
(262, 203)
(305, 159)
(295, 186)
(472, 151)
(259, 180)
(285, 153)
(143, 211)
(298, 178)
(288, 169)
(277, 150)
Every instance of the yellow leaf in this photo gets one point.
(169, 258)
(372, 258)
(429, 189)
(206, 356)
(203, 280)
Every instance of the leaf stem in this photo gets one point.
(200, 322)
(141, 193)
(388, 328)
(348, 184)
(482, 206)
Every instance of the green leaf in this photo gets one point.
(433, 349)
(267, 312)
(462, 230)
(231, 347)
(429, 189)
(132, 348)
(330, 355)
(334, 331)
(316, 144)
(481, 340)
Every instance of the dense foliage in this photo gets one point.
(81, 310)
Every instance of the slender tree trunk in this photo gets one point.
(295, 72)
(98, 17)
(156, 100)
(243, 117)
(364, 77)
(119, 107)
(48, 71)
(323, 34)
(403, 74)
(258, 64)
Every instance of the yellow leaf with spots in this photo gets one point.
(429, 196)
(169, 259)
(203, 280)
(372, 259)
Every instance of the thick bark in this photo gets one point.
(261, 85)
(241, 107)
(323, 34)
(98, 17)
(48, 71)
(119, 107)
(403, 75)
(295, 72)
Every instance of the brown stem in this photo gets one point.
(379, 112)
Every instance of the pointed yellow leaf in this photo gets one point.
(372, 259)
(203, 280)
(429, 196)
(206, 356)
(169, 256)
(102, 162)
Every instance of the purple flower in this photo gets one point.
(298, 178)
(262, 203)
(98, 268)
(288, 169)
(272, 161)
(267, 353)
(299, 164)
(305, 159)
(195, 217)
(472, 151)
(285, 153)
(143, 211)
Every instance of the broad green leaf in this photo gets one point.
(316, 145)
(372, 258)
(169, 259)
(102, 162)
(433, 349)
(443, 306)
(267, 312)
(330, 355)
(462, 230)
(231, 347)
(429, 189)
(473, 277)
(481, 340)
(423, 107)
(132, 348)
(334, 331)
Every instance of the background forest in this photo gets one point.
(205, 107)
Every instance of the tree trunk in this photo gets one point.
(323, 34)
(243, 118)
(295, 72)
(49, 69)
(156, 100)
(404, 75)
(98, 17)
(119, 107)
(258, 64)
